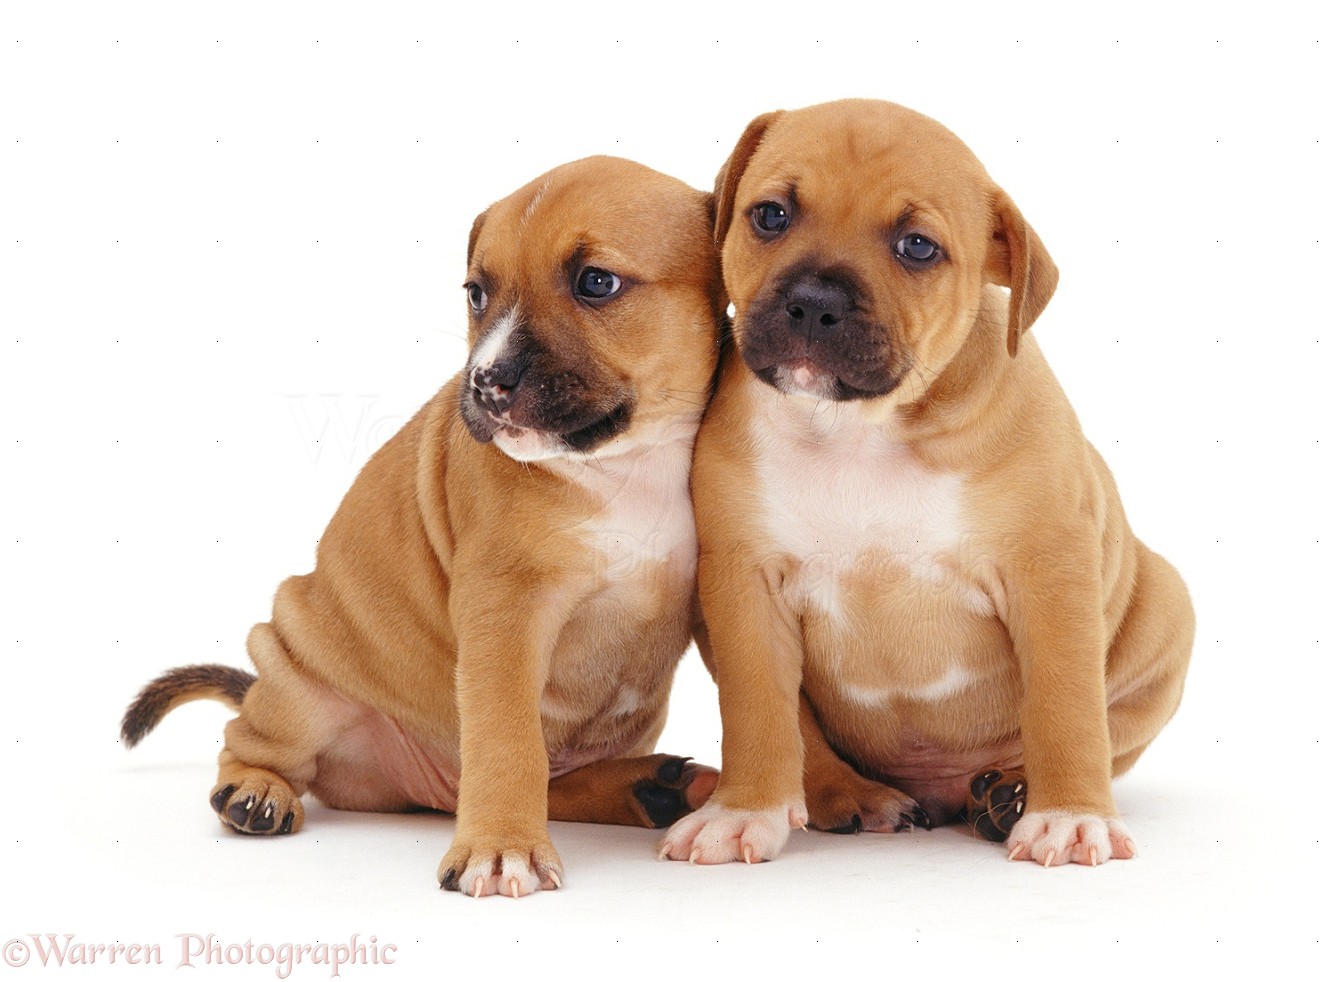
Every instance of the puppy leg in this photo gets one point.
(1146, 668)
(649, 792)
(838, 799)
(1146, 671)
(1060, 639)
(841, 800)
(505, 643)
(756, 650)
(270, 749)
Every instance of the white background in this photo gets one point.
(232, 246)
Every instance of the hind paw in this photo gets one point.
(677, 787)
(858, 804)
(254, 801)
(996, 801)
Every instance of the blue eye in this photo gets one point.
(476, 297)
(917, 250)
(769, 218)
(597, 284)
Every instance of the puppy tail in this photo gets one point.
(177, 687)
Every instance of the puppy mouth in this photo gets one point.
(585, 436)
(804, 376)
(600, 430)
(801, 376)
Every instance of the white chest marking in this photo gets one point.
(627, 702)
(839, 492)
(955, 680)
(646, 517)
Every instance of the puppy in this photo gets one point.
(500, 602)
(913, 566)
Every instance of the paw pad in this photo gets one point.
(256, 812)
(665, 798)
(996, 801)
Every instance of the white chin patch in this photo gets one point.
(528, 445)
(803, 379)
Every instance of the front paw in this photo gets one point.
(515, 865)
(1053, 838)
(853, 804)
(718, 834)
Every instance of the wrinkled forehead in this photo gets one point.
(860, 160)
(612, 213)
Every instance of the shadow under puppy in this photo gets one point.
(500, 602)
(918, 582)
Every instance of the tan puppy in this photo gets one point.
(503, 596)
(908, 550)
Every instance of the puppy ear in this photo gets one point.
(717, 294)
(477, 224)
(724, 189)
(1019, 260)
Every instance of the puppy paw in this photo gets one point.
(1053, 838)
(515, 866)
(996, 801)
(717, 834)
(677, 787)
(854, 804)
(254, 801)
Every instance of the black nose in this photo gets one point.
(816, 305)
(493, 387)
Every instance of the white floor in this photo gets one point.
(121, 847)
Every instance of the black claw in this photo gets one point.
(239, 812)
(264, 818)
(219, 799)
(451, 880)
(920, 818)
(852, 828)
(286, 827)
(673, 770)
(662, 805)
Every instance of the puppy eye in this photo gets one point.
(476, 297)
(769, 217)
(917, 250)
(597, 284)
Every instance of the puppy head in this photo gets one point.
(594, 302)
(856, 239)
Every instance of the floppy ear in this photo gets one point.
(724, 189)
(1018, 259)
(477, 224)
